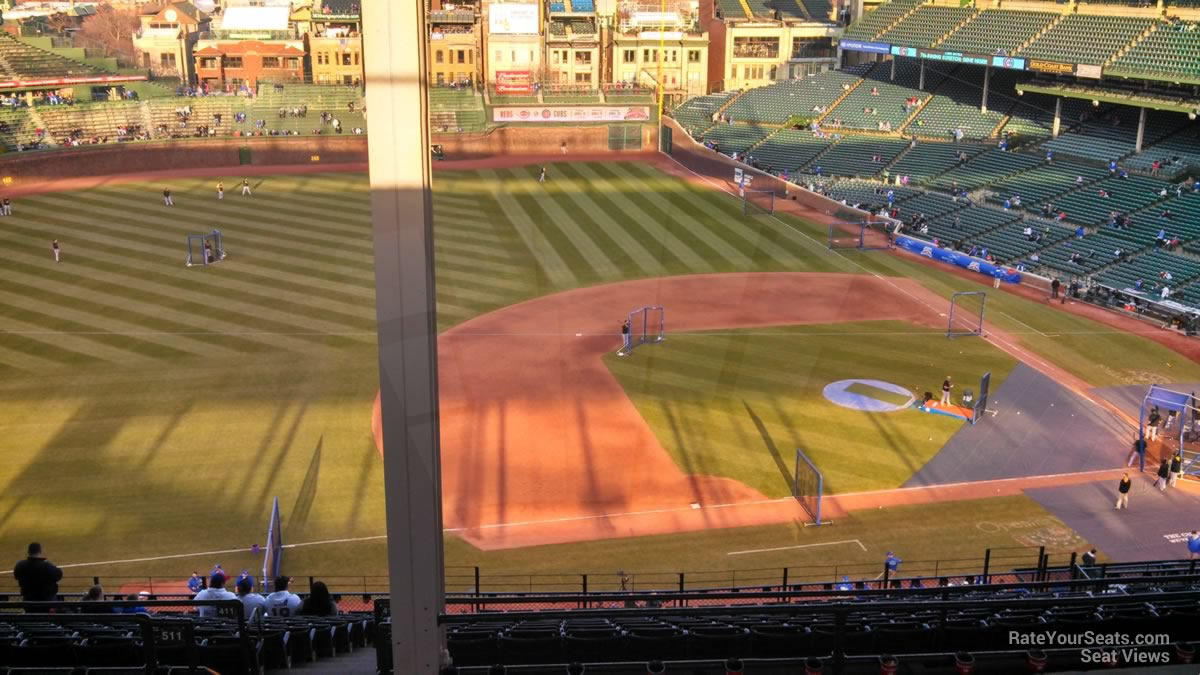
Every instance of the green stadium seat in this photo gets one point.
(927, 25)
(996, 29)
(1086, 38)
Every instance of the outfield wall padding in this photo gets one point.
(534, 140)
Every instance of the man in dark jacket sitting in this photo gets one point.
(37, 576)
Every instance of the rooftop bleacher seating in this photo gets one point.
(583, 27)
(1044, 183)
(558, 6)
(789, 149)
(1172, 49)
(463, 107)
(731, 9)
(1086, 207)
(776, 103)
(583, 6)
(735, 137)
(955, 106)
(92, 121)
(881, 100)
(986, 168)
(855, 156)
(879, 19)
(1086, 38)
(786, 8)
(929, 159)
(819, 10)
(994, 29)
(18, 129)
(557, 28)
(696, 114)
(927, 25)
(22, 61)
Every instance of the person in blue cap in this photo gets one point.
(892, 562)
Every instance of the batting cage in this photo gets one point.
(205, 249)
(808, 487)
(646, 325)
(967, 311)
(758, 202)
(1171, 417)
(861, 236)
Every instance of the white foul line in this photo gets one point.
(788, 548)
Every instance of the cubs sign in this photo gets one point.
(570, 113)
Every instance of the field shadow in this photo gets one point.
(772, 448)
(308, 489)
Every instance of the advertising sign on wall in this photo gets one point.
(860, 46)
(512, 18)
(1051, 67)
(1085, 70)
(551, 113)
(1010, 62)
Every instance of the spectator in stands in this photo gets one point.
(1003, 145)
(1103, 194)
(1078, 231)
(1154, 167)
(1088, 559)
(1077, 258)
(319, 602)
(37, 577)
(1112, 166)
(1035, 258)
(195, 583)
(283, 602)
(93, 594)
(255, 604)
(892, 563)
(1007, 204)
(215, 591)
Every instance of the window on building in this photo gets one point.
(774, 71)
(674, 54)
(168, 60)
(583, 78)
(208, 62)
(646, 55)
(233, 62)
(437, 56)
(583, 58)
(513, 54)
(292, 62)
(756, 47)
(441, 78)
(499, 55)
(531, 59)
(270, 62)
(693, 56)
(630, 55)
(812, 48)
(462, 56)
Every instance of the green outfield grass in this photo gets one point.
(738, 403)
(152, 410)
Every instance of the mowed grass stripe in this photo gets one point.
(112, 348)
(139, 316)
(761, 236)
(304, 294)
(326, 253)
(556, 219)
(548, 259)
(624, 245)
(624, 202)
(25, 353)
(704, 238)
(139, 326)
(167, 292)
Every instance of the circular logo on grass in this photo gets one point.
(869, 395)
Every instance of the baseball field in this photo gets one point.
(150, 411)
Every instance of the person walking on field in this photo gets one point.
(1176, 468)
(946, 387)
(1164, 471)
(167, 197)
(625, 346)
(245, 186)
(563, 147)
(6, 207)
(1123, 491)
(220, 191)
(542, 175)
(56, 251)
